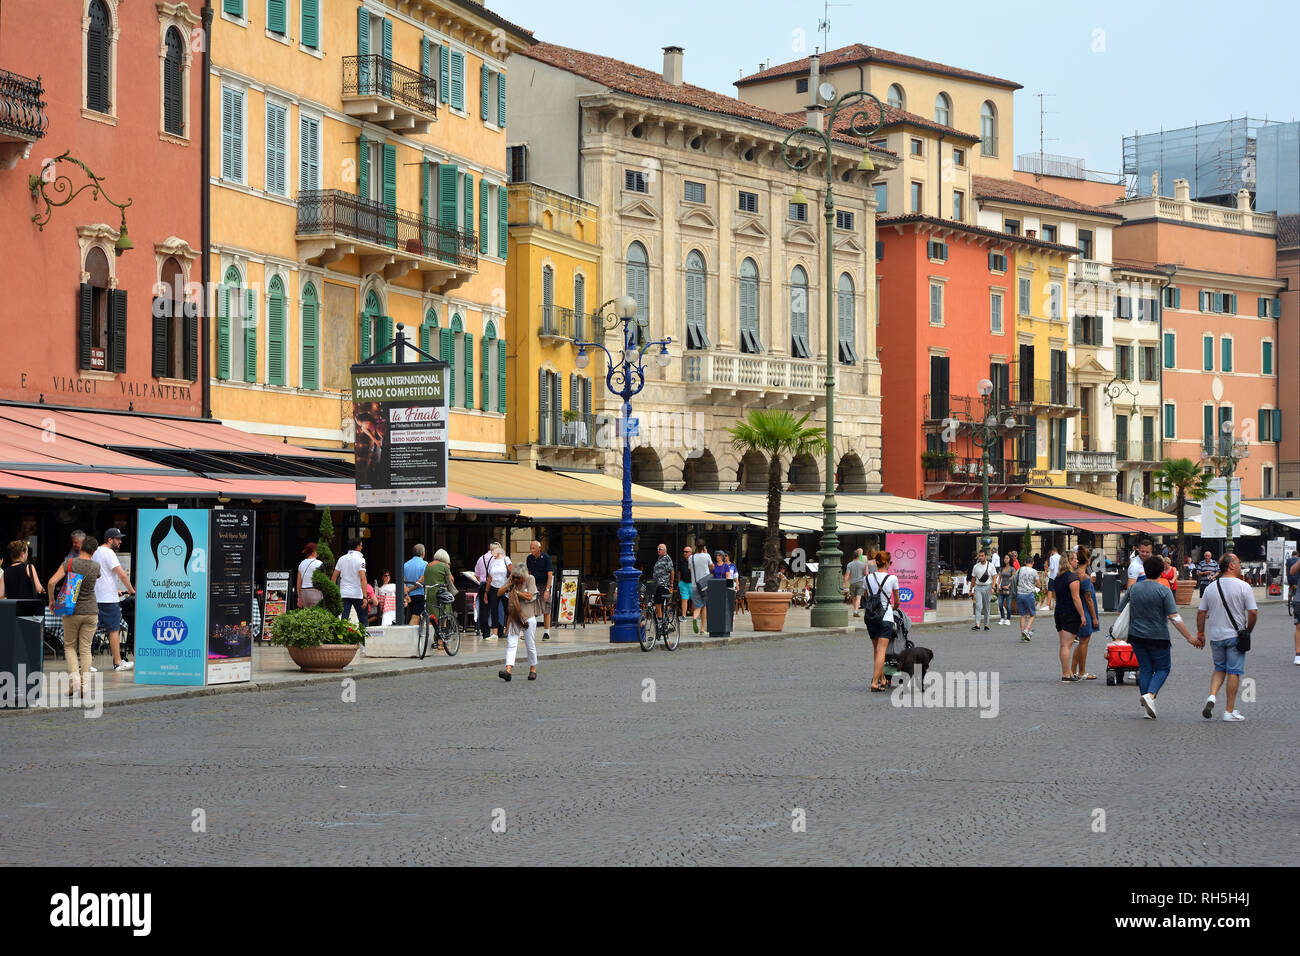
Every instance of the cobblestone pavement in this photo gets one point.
(738, 740)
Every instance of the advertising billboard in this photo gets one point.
(171, 608)
(230, 605)
(907, 551)
(400, 443)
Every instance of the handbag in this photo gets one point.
(71, 588)
(1119, 629)
(1243, 634)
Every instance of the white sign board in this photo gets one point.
(1219, 510)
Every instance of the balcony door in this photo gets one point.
(938, 386)
(1085, 418)
(1026, 373)
(1148, 438)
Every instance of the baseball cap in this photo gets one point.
(112, 533)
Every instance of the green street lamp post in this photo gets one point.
(986, 434)
(800, 150)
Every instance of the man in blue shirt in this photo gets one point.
(1206, 571)
(413, 578)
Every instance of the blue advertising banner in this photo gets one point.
(171, 608)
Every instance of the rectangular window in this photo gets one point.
(1266, 358)
(1049, 233)
(1011, 227)
(1207, 353)
(1225, 354)
(1207, 428)
(995, 312)
(693, 192)
(1265, 420)
(634, 181)
(1022, 298)
(958, 204)
(232, 134)
(959, 157)
(1147, 361)
(1054, 301)
(1203, 301)
(277, 142)
(1170, 419)
(916, 148)
(1170, 349)
(1124, 363)
(799, 211)
(1085, 243)
(916, 197)
(936, 303)
(518, 163)
(747, 202)
(801, 85)
(997, 262)
(308, 154)
(1267, 475)
(1261, 307)
(1123, 307)
(843, 219)
(937, 250)
(882, 197)
(1170, 297)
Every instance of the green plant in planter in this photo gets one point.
(570, 414)
(937, 460)
(312, 627)
(331, 599)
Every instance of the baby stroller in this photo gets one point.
(900, 642)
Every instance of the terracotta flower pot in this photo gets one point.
(1185, 591)
(767, 609)
(323, 657)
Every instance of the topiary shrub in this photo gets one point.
(331, 599)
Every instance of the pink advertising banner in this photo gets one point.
(907, 552)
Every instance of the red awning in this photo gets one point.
(45, 444)
(160, 485)
(15, 484)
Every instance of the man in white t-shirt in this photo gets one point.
(350, 574)
(111, 574)
(996, 560)
(1135, 571)
(1053, 569)
(982, 576)
(1227, 600)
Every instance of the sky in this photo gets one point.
(1110, 68)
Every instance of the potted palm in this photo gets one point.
(317, 640)
(1183, 480)
(776, 434)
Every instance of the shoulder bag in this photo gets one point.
(1243, 633)
(68, 596)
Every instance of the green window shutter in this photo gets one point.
(483, 197)
(275, 340)
(250, 336)
(424, 338)
(446, 344)
(469, 204)
(363, 168)
(367, 345)
(387, 41)
(501, 100)
(1275, 311)
(275, 18)
(485, 385)
(117, 330)
(1277, 424)
(447, 208)
(501, 376)
(457, 80)
(310, 339)
(1261, 307)
(85, 313)
(503, 222)
(234, 7)
(1169, 421)
(363, 51)
(485, 83)
(1207, 353)
(310, 29)
(469, 370)
(191, 311)
(1232, 303)
(161, 306)
(223, 332)
(385, 323)
(1225, 355)
(390, 193)
(1266, 361)
(444, 72)
(426, 56)
(1169, 350)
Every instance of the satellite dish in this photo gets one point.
(826, 92)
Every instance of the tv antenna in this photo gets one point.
(824, 24)
(1042, 126)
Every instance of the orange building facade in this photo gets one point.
(1219, 327)
(115, 85)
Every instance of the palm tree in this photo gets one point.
(775, 433)
(1183, 480)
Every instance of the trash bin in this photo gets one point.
(21, 651)
(1110, 592)
(720, 605)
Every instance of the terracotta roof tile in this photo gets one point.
(1005, 239)
(496, 18)
(638, 81)
(861, 53)
(1288, 231)
(1008, 190)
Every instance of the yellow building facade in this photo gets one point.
(358, 182)
(552, 284)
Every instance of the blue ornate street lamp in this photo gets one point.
(625, 377)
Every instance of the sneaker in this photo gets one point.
(1145, 715)
(986, 627)
(1149, 704)
(1208, 710)
(1232, 715)
(125, 666)
(974, 627)
(95, 670)
(1024, 636)
(1297, 658)
(546, 636)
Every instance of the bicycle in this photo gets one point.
(659, 622)
(444, 626)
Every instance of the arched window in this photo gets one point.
(98, 58)
(799, 347)
(235, 311)
(310, 337)
(749, 338)
(174, 351)
(988, 129)
(895, 97)
(101, 317)
(376, 328)
(275, 332)
(427, 329)
(548, 301)
(943, 109)
(457, 349)
(697, 312)
(174, 84)
(847, 320)
(638, 282)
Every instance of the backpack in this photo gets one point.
(874, 612)
(67, 603)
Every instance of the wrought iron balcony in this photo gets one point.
(554, 431)
(1139, 451)
(1090, 462)
(22, 117)
(1041, 396)
(719, 376)
(333, 224)
(964, 478)
(383, 92)
(560, 325)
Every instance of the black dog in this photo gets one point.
(908, 660)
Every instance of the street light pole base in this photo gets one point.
(830, 615)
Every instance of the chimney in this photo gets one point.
(1182, 190)
(1031, 233)
(673, 65)
(814, 79)
(1243, 199)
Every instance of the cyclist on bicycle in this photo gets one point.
(663, 577)
(437, 578)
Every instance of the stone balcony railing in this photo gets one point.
(1090, 462)
(721, 375)
(1198, 213)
